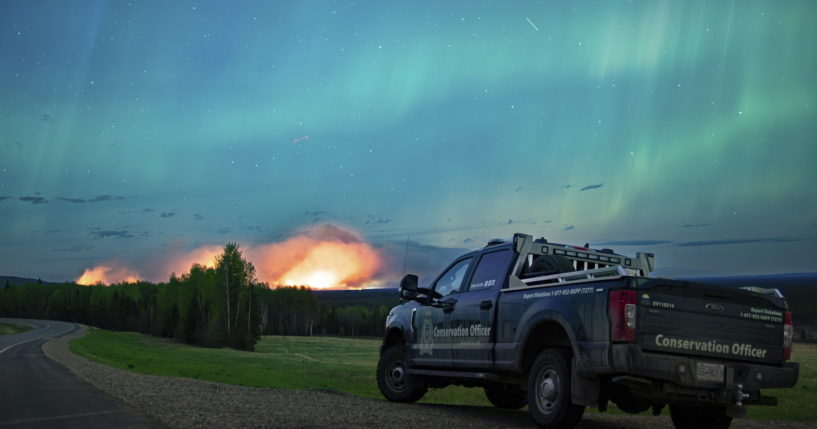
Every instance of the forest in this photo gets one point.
(223, 306)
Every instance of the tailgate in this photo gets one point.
(702, 320)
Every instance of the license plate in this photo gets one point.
(709, 372)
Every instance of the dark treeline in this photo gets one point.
(218, 307)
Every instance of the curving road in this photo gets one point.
(36, 392)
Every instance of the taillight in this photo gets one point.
(788, 334)
(621, 309)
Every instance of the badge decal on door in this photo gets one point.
(427, 336)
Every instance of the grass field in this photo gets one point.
(346, 365)
(13, 328)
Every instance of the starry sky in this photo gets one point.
(131, 131)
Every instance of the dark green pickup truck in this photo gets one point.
(559, 328)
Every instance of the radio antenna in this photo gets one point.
(405, 255)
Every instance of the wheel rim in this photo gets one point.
(547, 390)
(396, 375)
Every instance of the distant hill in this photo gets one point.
(17, 280)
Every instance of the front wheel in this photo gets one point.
(549, 390)
(699, 417)
(393, 380)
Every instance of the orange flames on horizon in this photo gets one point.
(320, 257)
(106, 274)
(204, 256)
(317, 262)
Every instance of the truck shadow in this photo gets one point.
(500, 418)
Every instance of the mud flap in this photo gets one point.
(584, 390)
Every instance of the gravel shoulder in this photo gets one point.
(182, 403)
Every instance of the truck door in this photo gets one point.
(431, 323)
(473, 314)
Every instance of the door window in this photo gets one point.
(451, 281)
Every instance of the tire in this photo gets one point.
(394, 383)
(546, 265)
(511, 398)
(549, 390)
(699, 417)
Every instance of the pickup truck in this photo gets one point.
(559, 328)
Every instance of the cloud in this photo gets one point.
(71, 200)
(735, 241)
(143, 211)
(72, 249)
(510, 221)
(121, 233)
(632, 242)
(99, 198)
(589, 187)
(34, 200)
(167, 214)
(197, 216)
(4, 198)
(223, 230)
(695, 225)
(380, 221)
(330, 232)
(372, 220)
(45, 117)
(96, 199)
(568, 228)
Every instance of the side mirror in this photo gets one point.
(408, 288)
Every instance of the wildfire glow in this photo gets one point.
(204, 256)
(323, 257)
(105, 274)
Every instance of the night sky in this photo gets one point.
(131, 132)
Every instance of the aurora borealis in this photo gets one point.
(132, 131)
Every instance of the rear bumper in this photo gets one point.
(680, 373)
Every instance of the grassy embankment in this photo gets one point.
(346, 365)
(13, 328)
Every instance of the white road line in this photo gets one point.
(47, 325)
(64, 416)
(21, 342)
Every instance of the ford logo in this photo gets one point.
(714, 307)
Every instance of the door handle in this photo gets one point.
(486, 305)
(448, 305)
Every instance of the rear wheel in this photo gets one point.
(692, 417)
(394, 381)
(549, 390)
(511, 398)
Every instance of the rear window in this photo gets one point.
(490, 271)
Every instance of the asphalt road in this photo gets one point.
(36, 392)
